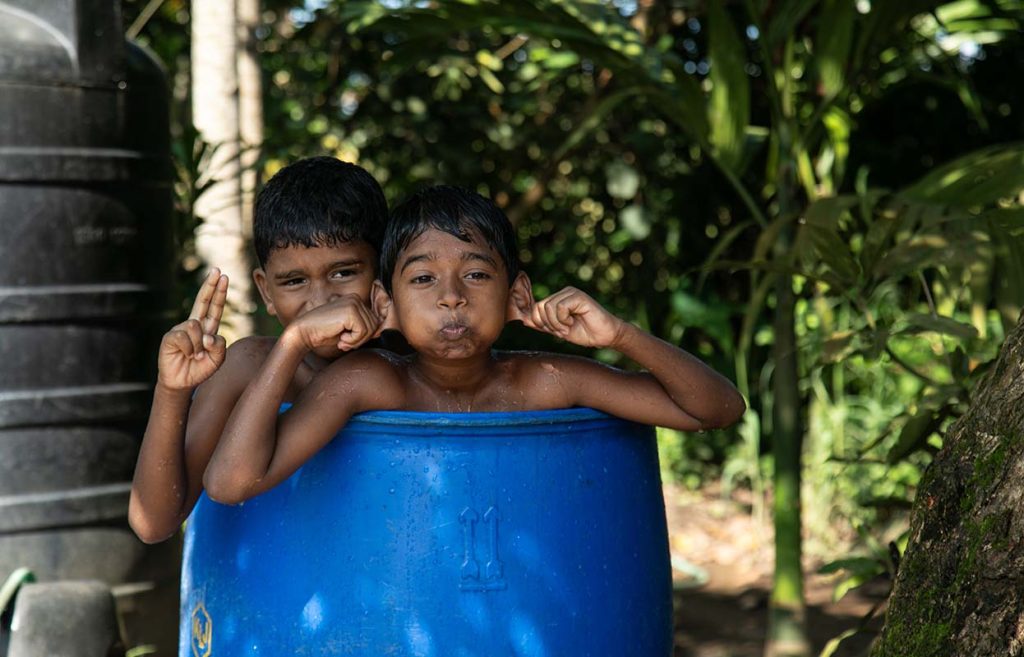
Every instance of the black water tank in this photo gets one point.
(85, 266)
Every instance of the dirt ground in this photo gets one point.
(726, 616)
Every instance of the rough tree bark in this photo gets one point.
(960, 588)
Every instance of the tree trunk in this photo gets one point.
(220, 239)
(787, 630)
(787, 635)
(959, 590)
(250, 106)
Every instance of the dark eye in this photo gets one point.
(422, 279)
(478, 275)
(344, 273)
(291, 282)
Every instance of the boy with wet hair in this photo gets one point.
(317, 230)
(451, 281)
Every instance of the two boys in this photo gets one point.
(449, 281)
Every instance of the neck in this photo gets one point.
(465, 376)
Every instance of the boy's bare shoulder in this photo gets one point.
(374, 379)
(241, 362)
(377, 363)
(251, 350)
(546, 364)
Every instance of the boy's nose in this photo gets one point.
(452, 296)
(320, 295)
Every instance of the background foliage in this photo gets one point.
(658, 153)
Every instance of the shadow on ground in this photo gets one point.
(725, 624)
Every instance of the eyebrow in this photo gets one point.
(422, 257)
(474, 255)
(354, 262)
(467, 255)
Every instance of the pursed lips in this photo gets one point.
(454, 329)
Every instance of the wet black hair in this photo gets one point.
(318, 201)
(454, 210)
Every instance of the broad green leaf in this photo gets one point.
(821, 231)
(833, 252)
(832, 44)
(1008, 221)
(1008, 240)
(945, 325)
(923, 251)
(976, 179)
(882, 226)
(729, 104)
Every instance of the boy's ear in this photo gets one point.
(520, 299)
(260, 278)
(382, 306)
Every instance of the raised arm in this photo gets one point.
(164, 486)
(260, 448)
(677, 391)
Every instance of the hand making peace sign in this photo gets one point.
(192, 351)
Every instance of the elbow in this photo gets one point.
(145, 527)
(731, 412)
(737, 409)
(225, 489)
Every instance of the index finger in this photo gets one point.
(216, 308)
(205, 295)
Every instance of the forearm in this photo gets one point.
(694, 387)
(160, 485)
(249, 440)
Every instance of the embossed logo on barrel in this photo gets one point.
(202, 631)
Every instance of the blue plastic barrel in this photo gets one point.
(533, 534)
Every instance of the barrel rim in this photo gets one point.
(430, 419)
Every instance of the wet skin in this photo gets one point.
(299, 279)
(451, 299)
(306, 288)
